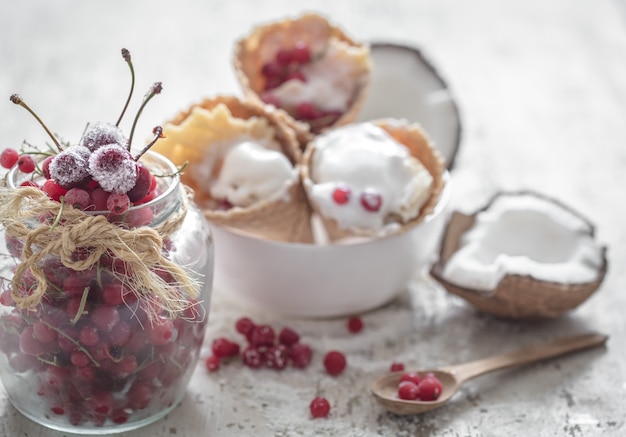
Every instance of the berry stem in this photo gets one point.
(154, 90)
(17, 99)
(81, 307)
(158, 133)
(126, 56)
(74, 342)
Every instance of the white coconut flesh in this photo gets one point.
(522, 234)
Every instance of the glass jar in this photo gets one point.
(97, 354)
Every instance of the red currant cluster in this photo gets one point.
(264, 348)
(413, 386)
(267, 349)
(287, 65)
(96, 351)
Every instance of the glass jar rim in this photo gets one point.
(173, 173)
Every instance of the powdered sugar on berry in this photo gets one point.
(113, 168)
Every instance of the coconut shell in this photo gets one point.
(519, 297)
(264, 41)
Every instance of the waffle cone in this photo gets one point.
(261, 46)
(413, 137)
(282, 218)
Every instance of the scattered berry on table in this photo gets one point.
(334, 363)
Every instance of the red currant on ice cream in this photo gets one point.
(371, 201)
(341, 195)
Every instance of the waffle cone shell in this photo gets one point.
(518, 297)
(286, 218)
(261, 44)
(415, 139)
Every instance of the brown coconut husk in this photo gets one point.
(415, 139)
(264, 41)
(519, 297)
(286, 218)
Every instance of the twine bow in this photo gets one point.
(139, 248)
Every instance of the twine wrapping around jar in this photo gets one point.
(139, 248)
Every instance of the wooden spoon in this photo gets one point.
(385, 389)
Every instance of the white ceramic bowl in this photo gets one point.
(324, 281)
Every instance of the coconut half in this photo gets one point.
(523, 256)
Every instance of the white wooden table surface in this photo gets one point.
(542, 90)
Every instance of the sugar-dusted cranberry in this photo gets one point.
(26, 164)
(252, 357)
(277, 357)
(113, 168)
(319, 407)
(371, 201)
(262, 335)
(9, 157)
(355, 324)
(69, 168)
(334, 363)
(288, 336)
(100, 134)
(300, 355)
(408, 390)
(396, 367)
(341, 195)
(429, 388)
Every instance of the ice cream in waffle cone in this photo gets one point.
(242, 162)
(372, 179)
(307, 67)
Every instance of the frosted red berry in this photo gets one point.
(276, 357)
(113, 168)
(252, 357)
(100, 134)
(334, 363)
(69, 168)
(319, 407)
(262, 335)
